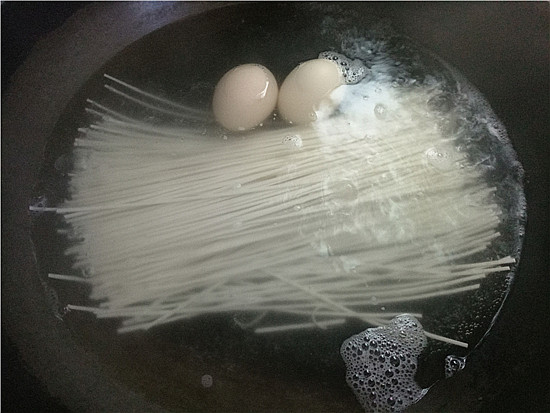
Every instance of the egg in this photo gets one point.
(244, 97)
(306, 88)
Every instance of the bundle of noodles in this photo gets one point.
(370, 207)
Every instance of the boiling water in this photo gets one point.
(404, 196)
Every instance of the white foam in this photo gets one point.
(381, 364)
(353, 71)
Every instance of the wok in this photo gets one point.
(502, 48)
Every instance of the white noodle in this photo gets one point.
(177, 223)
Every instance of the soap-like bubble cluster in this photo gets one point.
(353, 71)
(381, 364)
(453, 364)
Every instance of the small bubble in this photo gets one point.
(440, 159)
(293, 141)
(394, 361)
(207, 381)
(380, 111)
(453, 364)
(39, 202)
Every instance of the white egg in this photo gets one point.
(305, 89)
(244, 97)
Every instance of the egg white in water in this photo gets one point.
(244, 97)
